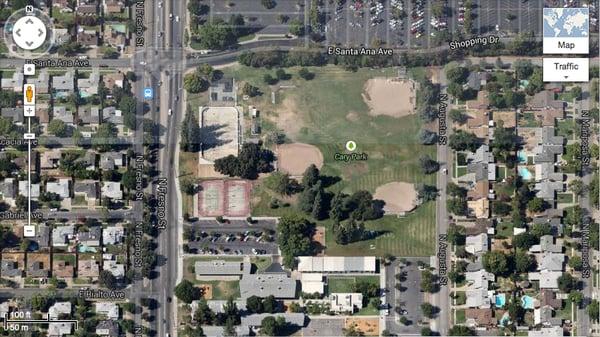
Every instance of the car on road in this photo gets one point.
(160, 3)
(171, 16)
(170, 112)
(177, 18)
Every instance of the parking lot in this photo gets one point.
(406, 301)
(256, 16)
(234, 237)
(419, 24)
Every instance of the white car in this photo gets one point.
(170, 112)
(170, 15)
(177, 18)
(160, 4)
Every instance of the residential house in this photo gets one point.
(59, 329)
(24, 188)
(113, 6)
(41, 81)
(545, 316)
(476, 80)
(87, 189)
(42, 237)
(13, 265)
(110, 310)
(8, 191)
(89, 115)
(477, 244)
(88, 268)
(13, 83)
(63, 268)
(115, 268)
(545, 100)
(115, 35)
(113, 79)
(87, 7)
(111, 189)
(111, 160)
(50, 159)
(15, 115)
(61, 113)
(62, 187)
(64, 83)
(59, 310)
(107, 328)
(113, 235)
(38, 265)
(89, 86)
(87, 37)
(478, 317)
(62, 235)
(90, 236)
(112, 115)
(546, 245)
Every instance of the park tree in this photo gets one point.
(311, 176)
(250, 90)
(428, 165)
(428, 281)
(426, 193)
(306, 74)
(195, 83)
(187, 292)
(294, 238)
(215, 36)
(458, 116)
(427, 137)
(191, 134)
(524, 240)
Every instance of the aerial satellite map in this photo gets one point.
(187, 168)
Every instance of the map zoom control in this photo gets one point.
(29, 32)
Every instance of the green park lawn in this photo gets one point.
(330, 110)
(343, 284)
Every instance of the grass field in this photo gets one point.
(327, 112)
(340, 284)
(222, 290)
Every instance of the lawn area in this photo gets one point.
(327, 112)
(341, 284)
(460, 316)
(565, 312)
(261, 263)
(405, 236)
(566, 128)
(505, 229)
(188, 168)
(565, 198)
(222, 290)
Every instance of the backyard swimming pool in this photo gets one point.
(500, 300)
(527, 302)
(522, 157)
(525, 173)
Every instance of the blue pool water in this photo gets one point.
(525, 173)
(86, 249)
(84, 94)
(527, 302)
(500, 300)
(522, 157)
(505, 319)
(61, 94)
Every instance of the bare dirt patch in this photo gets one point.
(295, 158)
(399, 197)
(207, 291)
(368, 326)
(352, 116)
(390, 97)
(288, 119)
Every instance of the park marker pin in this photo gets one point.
(350, 145)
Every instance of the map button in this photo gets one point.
(566, 30)
(29, 32)
(566, 69)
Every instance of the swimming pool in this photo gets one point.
(86, 249)
(522, 156)
(527, 302)
(500, 300)
(525, 173)
(505, 319)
